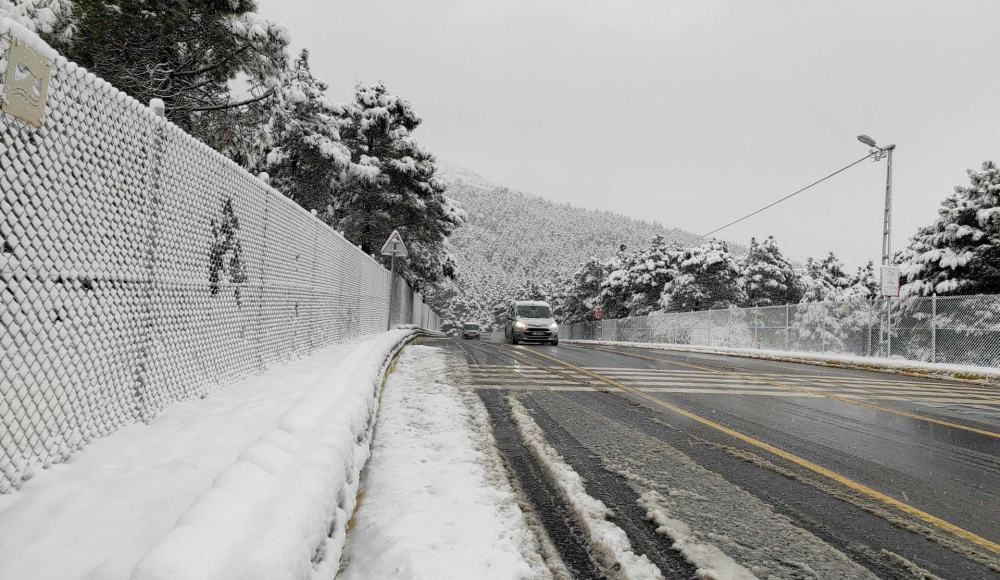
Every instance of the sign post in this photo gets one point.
(890, 289)
(394, 246)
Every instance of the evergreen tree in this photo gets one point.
(583, 292)
(304, 154)
(614, 289)
(959, 253)
(824, 280)
(864, 285)
(53, 19)
(391, 185)
(817, 323)
(770, 278)
(636, 279)
(185, 53)
(705, 277)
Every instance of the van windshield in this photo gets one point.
(471, 327)
(534, 312)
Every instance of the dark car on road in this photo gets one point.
(530, 320)
(470, 331)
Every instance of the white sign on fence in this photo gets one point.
(26, 83)
(890, 281)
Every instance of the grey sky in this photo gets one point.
(690, 113)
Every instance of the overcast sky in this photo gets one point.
(689, 113)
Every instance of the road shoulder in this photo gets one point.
(435, 499)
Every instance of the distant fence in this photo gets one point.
(140, 268)
(958, 329)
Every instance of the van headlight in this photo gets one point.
(520, 325)
(554, 327)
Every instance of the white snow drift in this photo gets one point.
(280, 512)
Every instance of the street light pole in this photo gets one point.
(887, 223)
(877, 154)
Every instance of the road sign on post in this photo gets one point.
(890, 281)
(598, 314)
(394, 246)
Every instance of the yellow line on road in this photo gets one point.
(812, 392)
(850, 483)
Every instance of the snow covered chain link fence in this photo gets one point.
(140, 268)
(955, 329)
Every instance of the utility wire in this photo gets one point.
(787, 196)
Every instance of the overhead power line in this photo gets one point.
(786, 197)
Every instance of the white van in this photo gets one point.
(530, 320)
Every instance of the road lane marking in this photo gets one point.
(804, 390)
(805, 463)
(950, 387)
(917, 393)
(701, 382)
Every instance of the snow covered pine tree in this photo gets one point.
(392, 186)
(959, 253)
(705, 277)
(770, 278)
(302, 150)
(185, 53)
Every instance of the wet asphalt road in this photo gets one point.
(797, 470)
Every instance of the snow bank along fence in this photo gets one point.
(956, 329)
(139, 268)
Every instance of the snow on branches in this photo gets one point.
(959, 253)
(705, 277)
(770, 278)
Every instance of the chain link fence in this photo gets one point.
(138, 268)
(955, 329)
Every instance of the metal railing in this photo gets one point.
(955, 329)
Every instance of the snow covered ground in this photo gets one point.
(96, 515)
(436, 502)
(884, 365)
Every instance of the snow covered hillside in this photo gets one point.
(513, 238)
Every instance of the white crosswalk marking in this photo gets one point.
(693, 382)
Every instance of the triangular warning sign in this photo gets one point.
(394, 245)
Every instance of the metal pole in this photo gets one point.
(788, 329)
(887, 217)
(822, 331)
(887, 241)
(868, 348)
(392, 287)
(888, 324)
(934, 328)
(756, 328)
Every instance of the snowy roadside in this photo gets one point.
(609, 544)
(983, 375)
(97, 513)
(280, 512)
(94, 516)
(436, 502)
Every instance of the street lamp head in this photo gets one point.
(866, 140)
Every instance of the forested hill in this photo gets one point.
(512, 238)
